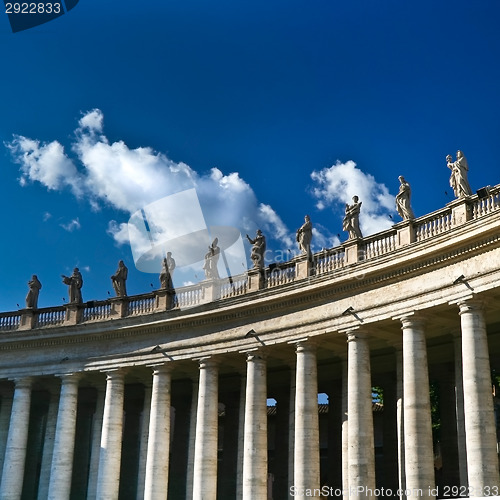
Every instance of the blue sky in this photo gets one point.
(271, 110)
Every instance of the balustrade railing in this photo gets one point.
(325, 261)
(484, 206)
(433, 224)
(329, 260)
(10, 320)
(234, 288)
(141, 304)
(97, 310)
(50, 316)
(188, 296)
(280, 275)
(380, 244)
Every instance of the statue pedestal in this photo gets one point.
(255, 280)
(460, 211)
(164, 299)
(119, 306)
(353, 250)
(27, 320)
(210, 290)
(303, 268)
(405, 233)
(73, 314)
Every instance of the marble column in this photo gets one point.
(157, 462)
(207, 419)
(5, 411)
(459, 408)
(400, 419)
(241, 434)
(64, 442)
(255, 437)
(480, 432)
(419, 455)
(345, 432)
(192, 439)
(48, 443)
(95, 446)
(306, 456)
(291, 431)
(143, 446)
(15, 452)
(361, 453)
(108, 478)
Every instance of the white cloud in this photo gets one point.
(128, 179)
(45, 163)
(336, 185)
(71, 226)
(46, 216)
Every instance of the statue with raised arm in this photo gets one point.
(75, 283)
(258, 249)
(304, 236)
(34, 290)
(119, 280)
(211, 261)
(403, 200)
(351, 219)
(458, 178)
(167, 270)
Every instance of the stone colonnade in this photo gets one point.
(196, 436)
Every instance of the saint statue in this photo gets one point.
(34, 290)
(211, 260)
(403, 200)
(258, 249)
(304, 236)
(119, 278)
(458, 178)
(167, 270)
(351, 219)
(75, 283)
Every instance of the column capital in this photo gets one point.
(303, 345)
(207, 362)
(165, 367)
(411, 319)
(114, 373)
(470, 305)
(355, 333)
(69, 377)
(22, 382)
(255, 355)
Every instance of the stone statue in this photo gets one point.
(351, 219)
(32, 297)
(119, 278)
(211, 260)
(258, 249)
(458, 178)
(304, 236)
(167, 270)
(403, 200)
(75, 283)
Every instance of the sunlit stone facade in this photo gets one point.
(164, 395)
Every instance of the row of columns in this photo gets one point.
(415, 449)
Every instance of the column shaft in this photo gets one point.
(255, 436)
(361, 452)
(480, 433)
(15, 452)
(306, 456)
(205, 452)
(64, 442)
(419, 456)
(159, 436)
(108, 478)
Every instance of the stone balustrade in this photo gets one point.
(327, 261)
